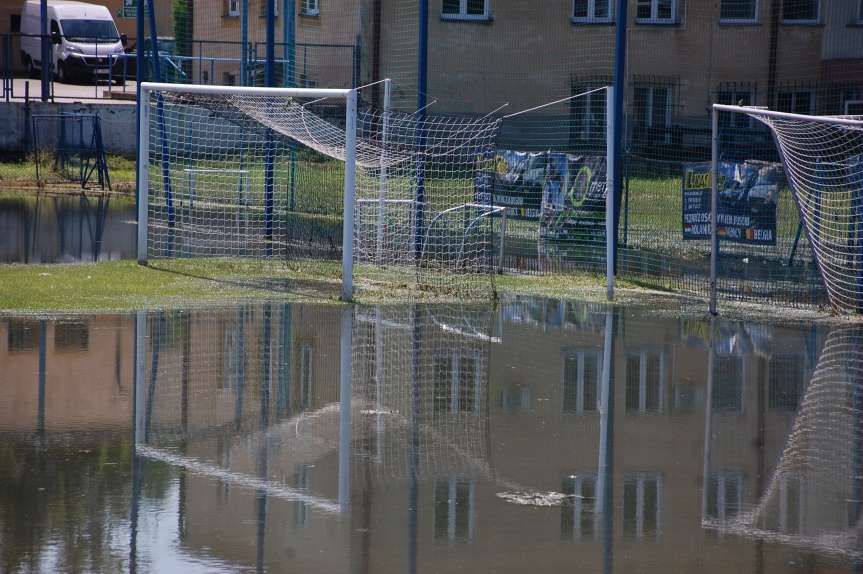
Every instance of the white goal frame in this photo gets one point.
(714, 189)
(348, 95)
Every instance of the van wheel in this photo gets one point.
(32, 72)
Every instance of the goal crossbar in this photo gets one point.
(148, 89)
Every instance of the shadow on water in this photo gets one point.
(537, 435)
(42, 228)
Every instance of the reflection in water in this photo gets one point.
(65, 228)
(232, 452)
(812, 498)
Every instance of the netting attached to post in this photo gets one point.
(812, 499)
(823, 160)
(258, 174)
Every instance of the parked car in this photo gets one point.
(84, 39)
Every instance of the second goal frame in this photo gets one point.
(149, 90)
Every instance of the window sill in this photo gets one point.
(660, 23)
(738, 23)
(310, 14)
(589, 22)
(803, 23)
(466, 19)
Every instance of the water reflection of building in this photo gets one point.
(83, 381)
(506, 407)
(449, 408)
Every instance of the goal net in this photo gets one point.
(812, 498)
(422, 376)
(823, 160)
(282, 174)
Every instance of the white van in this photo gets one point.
(83, 39)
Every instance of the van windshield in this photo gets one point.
(89, 30)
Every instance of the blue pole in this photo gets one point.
(619, 89)
(288, 39)
(289, 14)
(422, 88)
(47, 48)
(244, 40)
(160, 113)
(269, 79)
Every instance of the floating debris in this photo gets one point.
(526, 498)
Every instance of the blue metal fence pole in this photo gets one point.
(140, 76)
(619, 90)
(289, 14)
(47, 48)
(269, 80)
(422, 88)
(244, 40)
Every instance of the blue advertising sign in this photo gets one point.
(748, 195)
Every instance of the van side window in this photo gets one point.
(55, 27)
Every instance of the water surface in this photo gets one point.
(215, 441)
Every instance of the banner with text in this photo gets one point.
(748, 194)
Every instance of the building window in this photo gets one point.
(645, 373)
(454, 510)
(581, 372)
(642, 504)
(577, 514)
(22, 335)
(801, 11)
(234, 8)
(652, 108)
(465, 10)
(590, 11)
(310, 8)
(263, 12)
(785, 384)
(796, 101)
(456, 383)
(656, 12)
(587, 113)
(724, 495)
(731, 95)
(791, 504)
(727, 383)
(515, 399)
(71, 336)
(739, 11)
(306, 356)
(301, 509)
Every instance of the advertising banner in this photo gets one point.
(748, 194)
(515, 179)
(573, 198)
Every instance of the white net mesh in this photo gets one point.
(234, 174)
(813, 498)
(422, 377)
(823, 161)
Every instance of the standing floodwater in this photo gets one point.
(541, 435)
(65, 228)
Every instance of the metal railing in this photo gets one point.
(212, 62)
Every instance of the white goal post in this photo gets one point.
(822, 158)
(151, 93)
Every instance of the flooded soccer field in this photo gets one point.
(540, 434)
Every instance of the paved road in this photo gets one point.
(72, 92)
